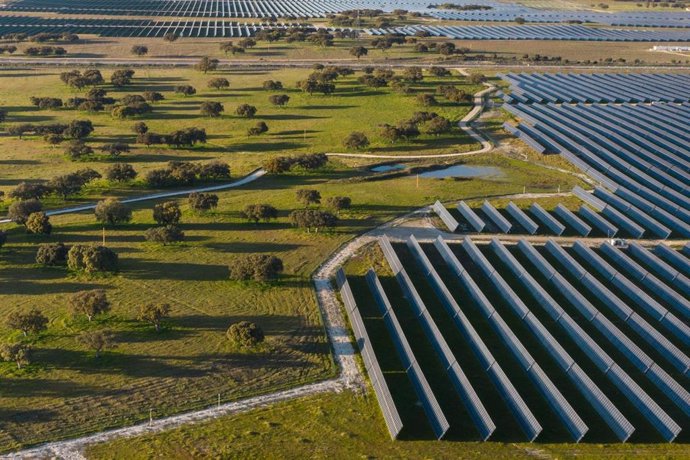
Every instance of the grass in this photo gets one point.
(67, 392)
(308, 124)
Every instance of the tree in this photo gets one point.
(139, 50)
(111, 211)
(77, 149)
(120, 172)
(211, 109)
(476, 78)
(31, 322)
(260, 128)
(28, 190)
(207, 64)
(426, 100)
(52, 254)
(272, 85)
(247, 43)
(90, 303)
(311, 218)
(307, 196)
(19, 211)
(18, 353)
(259, 212)
(154, 313)
(279, 99)
(356, 140)
(257, 267)
(359, 51)
(97, 340)
(39, 223)
(170, 37)
(140, 127)
(219, 83)
(92, 259)
(121, 77)
(153, 96)
(202, 202)
(167, 213)
(185, 90)
(246, 110)
(446, 48)
(436, 126)
(215, 170)
(339, 203)
(245, 334)
(439, 71)
(164, 235)
(413, 74)
(115, 149)
(78, 129)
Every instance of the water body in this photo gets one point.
(464, 171)
(388, 168)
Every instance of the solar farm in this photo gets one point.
(345, 229)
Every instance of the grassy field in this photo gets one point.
(67, 392)
(308, 124)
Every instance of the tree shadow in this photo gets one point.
(251, 248)
(150, 269)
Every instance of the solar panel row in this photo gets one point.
(378, 382)
(539, 32)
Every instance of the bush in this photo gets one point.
(185, 90)
(426, 100)
(140, 127)
(202, 202)
(279, 99)
(356, 140)
(167, 213)
(52, 254)
(257, 267)
(339, 202)
(39, 223)
(215, 170)
(111, 211)
(260, 128)
(272, 85)
(120, 172)
(218, 83)
(139, 50)
(246, 111)
(77, 149)
(245, 334)
(92, 259)
(19, 211)
(165, 235)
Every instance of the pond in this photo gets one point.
(464, 171)
(388, 168)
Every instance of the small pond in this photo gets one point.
(463, 171)
(388, 168)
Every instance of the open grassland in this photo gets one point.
(68, 392)
(308, 124)
(345, 425)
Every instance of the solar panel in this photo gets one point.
(445, 216)
(470, 216)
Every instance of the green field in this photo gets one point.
(345, 425)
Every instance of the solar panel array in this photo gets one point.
(598, 87)
(572, 294)
(378, 382)
(211, 8)
(541, 32)
(636, 147)
(137, 27)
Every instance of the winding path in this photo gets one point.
(251, 177)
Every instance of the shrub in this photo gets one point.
(246, 111)
(140, 127)
(120, 172)
(245, 334)
(111, 211)
(164, 235)
(258, 129)
(356, 140)
(202, 202)
(185, 90)
(308, 196)
(339, 202)
(257, 267)
(272, 85)
(279, 99)
(139, 50)
(19, 211)
(39, 223)
(426, 100)
(52, 254)
(167, 213)
(77, 149)
(92, 259)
